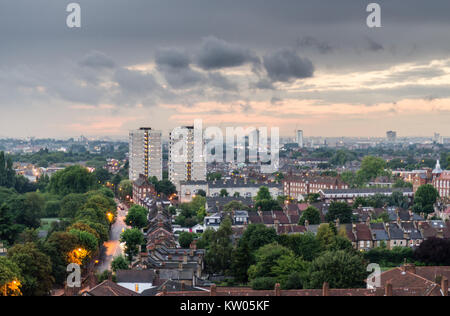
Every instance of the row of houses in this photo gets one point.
(407, 280)
(299, 186)
(234, 187)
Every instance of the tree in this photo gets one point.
(341, 211)
(35, 267)
(263, 283)
(398, 199)
(201, 193)
(263, 194)
(27, 209)
(86, 239)
(163, 187)
(326, 234)
(185, 239)
(218, 255)
(424, 199)
(341, 269)
(74, 179)
(290, 271)
(241, 259)
(266, 258)
(313, 198)
(125, 189)
(101, 175)
(235, 206)
(223, 193)
(264, 200)
(133, 239)
(306, 246)
(71, 204)
(9, 230)
(372, 167)
(312, 215)
(58, 247)
(434, 251)
(258, 235)
(137, 217)
(400, 183)
(9, 273)
(120, 263)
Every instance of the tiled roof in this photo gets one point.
(363, 232)
(109, 288)
(135, 276)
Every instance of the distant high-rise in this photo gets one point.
(437, 138)
(299, 138)
(183, 166)
(391, 136)
(145, 153)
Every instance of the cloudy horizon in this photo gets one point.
(310, 65)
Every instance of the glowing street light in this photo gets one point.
(110, 216)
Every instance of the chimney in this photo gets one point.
(277, 289)
(354, 228)
(444, 286)
(277, 224)
(388, 289)
(325, 289)
(180, 266)
(409, 267)
(185, 259)
(213, 290)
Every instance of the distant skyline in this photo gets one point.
(309, 65)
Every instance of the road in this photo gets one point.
(113, 247)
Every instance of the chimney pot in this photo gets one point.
(388, 289)
(213, 290)
(444, 285)
(277, 289)
(325, 289)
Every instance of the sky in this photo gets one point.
(294, 64)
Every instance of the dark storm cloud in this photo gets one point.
(216, 54)
(173, 58)
(43, 62)
(285, 64)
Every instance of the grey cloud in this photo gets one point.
(263, 84)
(135, 82)
(172, 58)
(312, 42)
(216, 53)
(97, 60)
(373, 45)
(183, 78)
(222, 82)
(285, 64)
